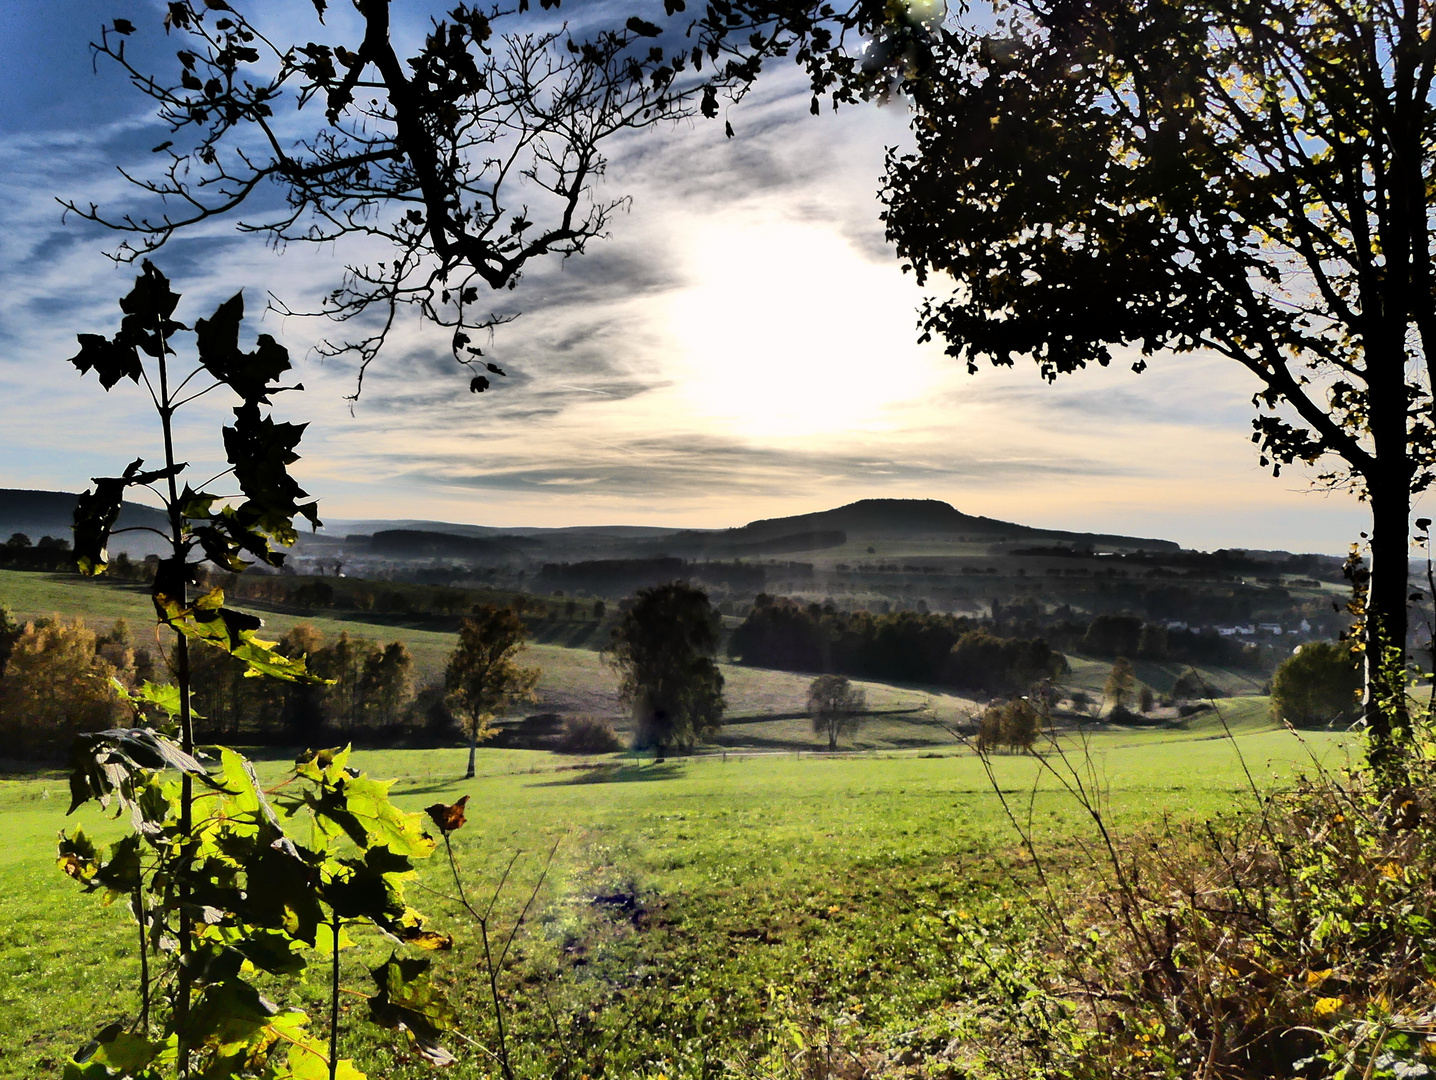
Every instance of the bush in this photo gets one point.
(588, 735)
(1317, 685)
(57, 684)
(1293, 939)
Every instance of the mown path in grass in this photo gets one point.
(690, 893)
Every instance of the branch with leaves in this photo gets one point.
(234, 881)
(479, 154)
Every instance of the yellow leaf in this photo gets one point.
(1327, 1005)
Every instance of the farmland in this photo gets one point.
(725, 904)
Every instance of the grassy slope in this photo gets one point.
(765, 708)
(756, 852)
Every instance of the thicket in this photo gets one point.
(903, 646)
(368, 689)
(1291, 937)
(59, 678)
(49, 553)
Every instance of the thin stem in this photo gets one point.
(182, 678)
(334, 1005)
(196, 395)
(498, 1007)
(483, 922)
(144, 961)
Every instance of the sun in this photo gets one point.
(789, 331)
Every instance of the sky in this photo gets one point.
(742, 345)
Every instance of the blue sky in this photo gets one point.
(741, 346)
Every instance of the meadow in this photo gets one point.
(721, 906)
(724, 912)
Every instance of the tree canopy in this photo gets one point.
(1319, 684)
(835, 706)
(663, 649)
(482, 676)
(1109, 181)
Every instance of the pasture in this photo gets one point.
(720, 906)
(704, 916)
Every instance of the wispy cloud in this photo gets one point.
(743, 345)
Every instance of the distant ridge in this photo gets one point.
(51, 513)
(48, 513)
(875, 518)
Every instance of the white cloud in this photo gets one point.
(742, 346)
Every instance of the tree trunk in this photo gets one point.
(473, 747)
(1384, 705)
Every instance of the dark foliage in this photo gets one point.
(904, 646)
(663, 649)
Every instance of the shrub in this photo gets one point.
(588, 735)
(1317, 685)
(1292, 939)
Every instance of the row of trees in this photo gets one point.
(905, 647)
(367, 688)
(59, 678)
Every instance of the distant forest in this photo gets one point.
(985, 655)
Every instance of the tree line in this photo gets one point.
(903, 646)
(60, 678)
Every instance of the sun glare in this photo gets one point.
(788, 331)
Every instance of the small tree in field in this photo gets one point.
(1121, 683)
(482, 678)
(1015, 724)
(663, 650)
(836, 707)
(1319, 684)
(319, 854)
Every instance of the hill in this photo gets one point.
(50, 513)
(925, 518)
(862, 520)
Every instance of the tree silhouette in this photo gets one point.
(478, 154)
(835, 706)
(663, 650)
(1118, 179)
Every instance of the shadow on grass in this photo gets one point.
(435, 787)
(616, 774)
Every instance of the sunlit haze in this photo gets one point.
(742, 345)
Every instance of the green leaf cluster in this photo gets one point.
(271, 879)
(229, 531)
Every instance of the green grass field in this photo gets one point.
(698, 912)
(747, 879)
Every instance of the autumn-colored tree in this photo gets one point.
(482, 677)
(835, 706)
(55, 686)
(1014, 723)
(1121, 683)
